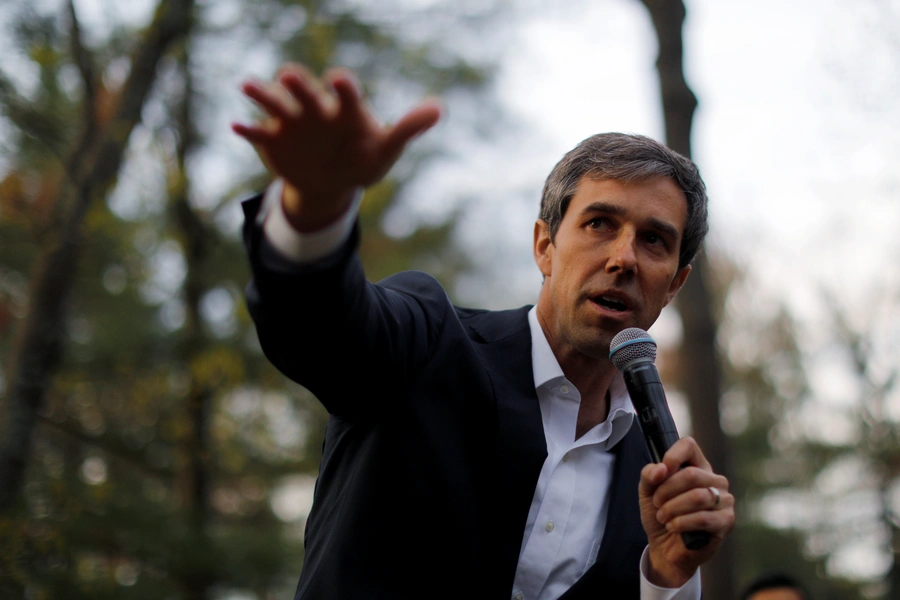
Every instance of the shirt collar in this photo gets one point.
(543, 361)
(546, 368)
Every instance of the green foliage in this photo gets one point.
(40, 117)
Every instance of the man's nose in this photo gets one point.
(623, 257)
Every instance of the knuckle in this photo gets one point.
(704, 520)
(726, 499)
(694, 476)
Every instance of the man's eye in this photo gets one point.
(655, 239)
(597, 223)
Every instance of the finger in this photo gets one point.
(695, 500)
(414, 123)
(273, 101)
(685, 451)
(717, 522)
(253, 134)
(686, 480)
(346, 88)
(652, 476)
(300, 72)
(298, 69)
(309, 92)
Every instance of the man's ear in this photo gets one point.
(543, 247)
(677, 282)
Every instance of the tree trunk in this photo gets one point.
(699, 360)
(91, 169)
(892, 523)
(195, 448)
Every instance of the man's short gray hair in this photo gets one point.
(626, 158)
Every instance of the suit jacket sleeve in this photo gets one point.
(327, 328)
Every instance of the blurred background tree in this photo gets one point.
(815, 440)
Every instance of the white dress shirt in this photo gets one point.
(565, 524)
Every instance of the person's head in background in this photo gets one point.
(775, 586)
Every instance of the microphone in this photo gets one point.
(633, 351)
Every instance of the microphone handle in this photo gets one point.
(649, 400)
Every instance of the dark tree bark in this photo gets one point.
(195, 451)
(91, 168)
(699, 360)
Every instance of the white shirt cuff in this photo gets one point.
(689, 591)
(303, 248)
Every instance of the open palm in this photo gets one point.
(322, 139)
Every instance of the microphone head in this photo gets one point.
(630, 345)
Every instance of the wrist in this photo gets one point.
(307, 212)
(662, 573)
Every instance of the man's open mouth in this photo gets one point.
(610, 303)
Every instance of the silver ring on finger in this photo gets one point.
(717, 497)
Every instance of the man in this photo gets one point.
(477, 454)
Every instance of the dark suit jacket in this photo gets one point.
(435, 440)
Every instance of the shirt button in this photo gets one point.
(566, 457)
(549, 526)
(564, 389)
(519, 596)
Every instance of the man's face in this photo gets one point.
(613, 264)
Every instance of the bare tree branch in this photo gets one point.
(85, 63)
(109, 445)
(29, 120)
(92, 168)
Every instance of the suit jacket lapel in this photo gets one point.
(623, 522)
(521, 448)
(616, 572)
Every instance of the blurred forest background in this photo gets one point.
(147, 448)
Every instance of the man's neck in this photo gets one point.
(592, 377)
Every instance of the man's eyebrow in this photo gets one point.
(662, 227)
(603, 207)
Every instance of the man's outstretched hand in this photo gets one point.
(323, 141)
(676, 497)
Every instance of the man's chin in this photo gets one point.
(611, 327)
(599, 344)
(596, 347)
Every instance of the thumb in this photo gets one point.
(414, 123)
